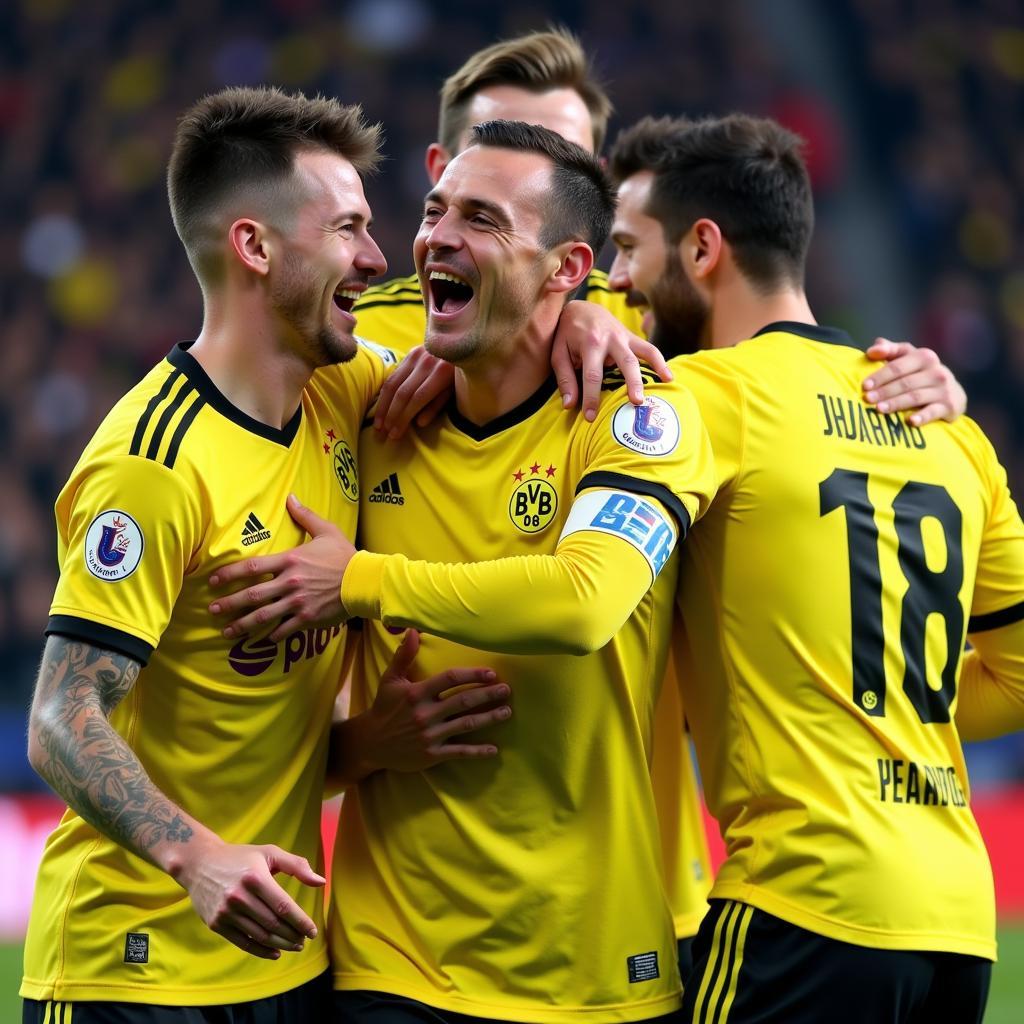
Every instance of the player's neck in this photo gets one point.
(494, 385)
(247, 363)
(743, 312)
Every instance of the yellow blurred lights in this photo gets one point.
(85, 295)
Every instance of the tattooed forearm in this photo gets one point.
(79, 753)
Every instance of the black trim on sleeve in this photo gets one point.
(399, 300)
(99, 636)
(396, 284)
(168, 414)
(993, 620)
(647, 488)
(614, 379)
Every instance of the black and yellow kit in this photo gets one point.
(175, 483)
(826, 597)
(393, 314)
(527, 887)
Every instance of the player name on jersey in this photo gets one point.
(847, 420)
(907, 782)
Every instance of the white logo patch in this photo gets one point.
(113, 545)
(650, 429)
(634, 519)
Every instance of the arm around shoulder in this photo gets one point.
(990, 700)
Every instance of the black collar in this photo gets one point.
(812, 332)
(521, 412)
(182, 359)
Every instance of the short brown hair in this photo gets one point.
(582, 201)
(747, 174)
(538, 62)
(244, 141)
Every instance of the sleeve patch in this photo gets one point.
(628, 516)
(113, 546)
(386, 356)
(650, 429)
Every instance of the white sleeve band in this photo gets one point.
(636, 520)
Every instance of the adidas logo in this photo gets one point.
(253, 531)
(387, 492)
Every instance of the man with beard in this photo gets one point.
(182, 756)
(544, 78)
(825, 599)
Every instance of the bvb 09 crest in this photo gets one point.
(345, 470)
(533, 505)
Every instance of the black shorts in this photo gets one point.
(750, 966)
(383, 1008)
(307, 1004)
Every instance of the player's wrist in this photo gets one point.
(181, 860)
(361, 585)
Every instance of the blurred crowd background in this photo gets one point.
(913, 111)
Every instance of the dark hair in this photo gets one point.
(241, 141)
(539, 62)
(747, 174)
(582, 201)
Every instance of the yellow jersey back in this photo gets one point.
(826, 597)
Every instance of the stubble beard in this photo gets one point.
(506, 316)
(297, 303)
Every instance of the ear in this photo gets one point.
(703, 247)
(436, 160)
(574, 261)
(250, 245)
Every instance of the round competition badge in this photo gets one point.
(651, 428)
(113, 546)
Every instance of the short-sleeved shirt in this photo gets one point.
(175, 483)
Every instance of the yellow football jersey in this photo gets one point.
(825, 597)
(392, 313)
(175, 483)
(527, 887)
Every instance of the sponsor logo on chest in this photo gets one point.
(252, 657)
(388, 492)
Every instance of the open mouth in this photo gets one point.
(345, 299)
(449, 293)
